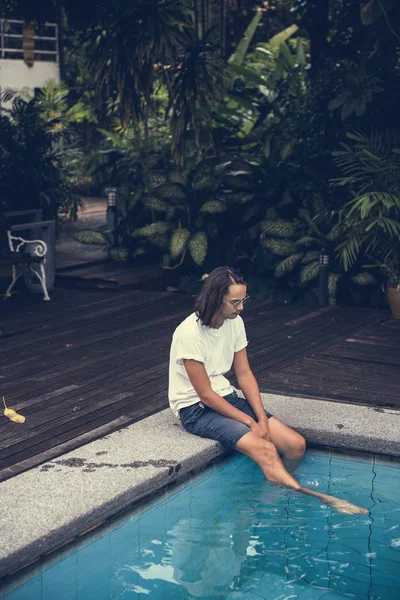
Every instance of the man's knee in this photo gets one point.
(296, 446)
(265, 451)
(256, 447)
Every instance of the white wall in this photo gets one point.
(15, 74)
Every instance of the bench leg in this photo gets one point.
(42, 278)
(15, 276)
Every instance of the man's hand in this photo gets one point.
(261, 429)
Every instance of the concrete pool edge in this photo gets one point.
(55, 502)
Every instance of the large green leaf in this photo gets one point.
(250, 76)
(333, 281)
(202, 177)
(279, 247)
(170, 190)
(156, 204)
(287, 265)
(335, 233)
(178, 242)
(120, 255)
(279, 227)
(242, 197)
(155, 179)
(310, 257)
(307, 241)
(160, 240)
(198, 246)
(309, 272)
(153, 229)
(89, 236)
(275, 42)
(363, 278)
(239, 55)
(372, 10)
(213, 207)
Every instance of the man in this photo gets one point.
(204, 347)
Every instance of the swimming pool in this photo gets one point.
(227, 533)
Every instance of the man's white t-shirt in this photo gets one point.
(215, 348)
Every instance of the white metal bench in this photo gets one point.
(23, 254)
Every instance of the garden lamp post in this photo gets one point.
(111, 215)
(323, 292)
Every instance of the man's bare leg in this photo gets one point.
(289, 443)
(266, 456)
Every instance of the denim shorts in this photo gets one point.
(206, 422)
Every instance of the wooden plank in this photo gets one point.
(95, 360)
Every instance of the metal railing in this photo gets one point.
(45, 38)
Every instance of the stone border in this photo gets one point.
(49, 505)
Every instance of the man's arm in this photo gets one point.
(201, 383)
(249, 386)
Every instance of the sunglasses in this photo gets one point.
(237, 303)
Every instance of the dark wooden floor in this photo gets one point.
(90, 362)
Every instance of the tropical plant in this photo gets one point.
(33, 173)
(371, 167)
(55, 109)
(185, 205)
(294, 246)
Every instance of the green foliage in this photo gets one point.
(371, 165)
(120, 255)
(188, 214)
(198, 246)
(89, 236)
(34, 171)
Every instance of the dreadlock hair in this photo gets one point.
(215, 287)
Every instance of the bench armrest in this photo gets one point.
(16, 243)
(36, 213)
(34, 225)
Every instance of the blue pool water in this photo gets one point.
(228, 533)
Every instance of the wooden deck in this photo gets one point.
(90, 362)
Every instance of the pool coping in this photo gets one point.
(48, 506)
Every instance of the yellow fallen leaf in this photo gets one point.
(12, 414)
